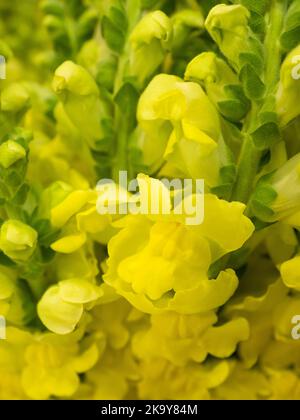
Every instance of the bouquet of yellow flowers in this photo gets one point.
(109, 292)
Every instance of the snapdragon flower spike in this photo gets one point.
(229, 26)
(221, 84)
(147, 306)
(277, 195)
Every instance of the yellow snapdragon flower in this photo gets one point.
(159, 263)
(180, 126)
(162, 380)
(182, 338)
(53, 364)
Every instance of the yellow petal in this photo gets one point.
(78, 291)
(69, 244)
(57, 315)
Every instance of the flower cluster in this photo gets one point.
(147, 306)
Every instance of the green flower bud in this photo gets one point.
(277, 196)
(288, 105)
(228, 26)
(71, 79)
(10, 153)
(96, 57)
(221, 84)
(14, 98)
(17, 240)
(149, 40)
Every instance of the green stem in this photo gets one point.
(247, 170)
(272, 44)
(250, 155)
(121, 132)
(121, 125)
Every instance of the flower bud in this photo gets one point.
(10, 153)
(182, 126)
(17, 240)
(14, 98)
(80, 96)
(149, 40)
(228, 26)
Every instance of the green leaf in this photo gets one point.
(260, 7)
(87, 24)
(106, 73)
(6, 261)
(266, 135)
(21, 195)
(290, 37)
(253, 86)
(112, 35)
(114, 27)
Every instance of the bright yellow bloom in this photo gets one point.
(183, 338)
(61, 307)
(162, 380)
(243, 384)
(53, 364)
(160, 263)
